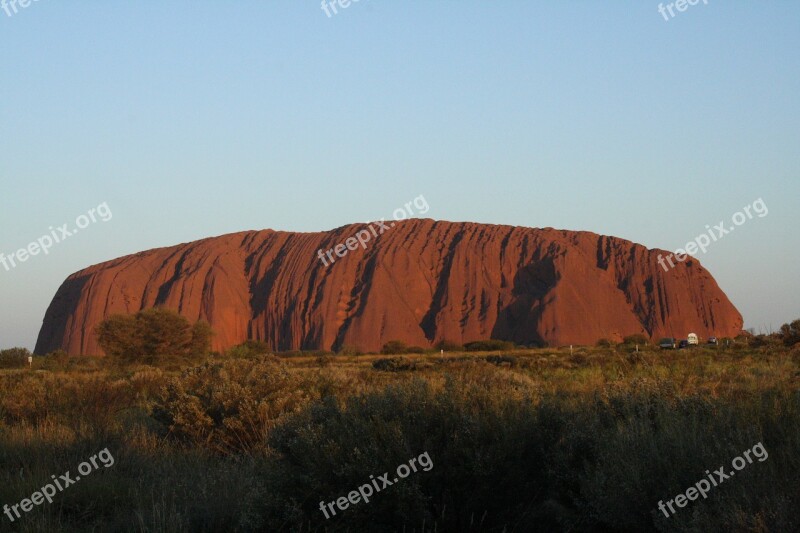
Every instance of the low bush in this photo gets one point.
(347, 349)
(560, 464)
(14, 358)
(500, 359)
(248, 349)
(491, 345)
(638, 338)
(790, 333)
(394, 348)
(536, 445)
(289, 354)
(57, 360)
(231, 406)
(393, 364)
(448, 346)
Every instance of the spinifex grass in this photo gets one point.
(522, 441)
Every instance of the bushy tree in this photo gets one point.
(56, 360)
(248, 349)
(118, 335)
(201, 338)
(152, 333)
(14, 357)
(448, 346)
(394, 347)
(790, 333)
(164, 332)
(231, 406)
(350, 349)
(491, 345)
(394, 364)
(636, 338)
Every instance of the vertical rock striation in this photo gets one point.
(421, 281)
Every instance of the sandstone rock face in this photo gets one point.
(421, 281)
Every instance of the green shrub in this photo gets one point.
(152, 333)
(637, 338)
(231, 406)
(400, 348)
(500, 359)
(500, 459)
(757, 341)
(200, 343)
(473, 438)
(578, 359)
(394, 348)
(393, 364)
(491, 345)
(289, 354)
(73, 400)
(14, 357)
(255, 444)
(448, 346)
(248, 349)
(604, 343)
(790, 333)
(56, 360)
(347, 349)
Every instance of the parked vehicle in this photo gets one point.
(667, 343)
(683, 344)
(712, 340)
(693, 339)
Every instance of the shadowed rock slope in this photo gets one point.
(421, 281)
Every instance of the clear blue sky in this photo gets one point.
(193, 119)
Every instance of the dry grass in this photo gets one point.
(536, 438)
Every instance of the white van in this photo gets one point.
(692, 338)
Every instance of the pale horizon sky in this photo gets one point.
(197, 119)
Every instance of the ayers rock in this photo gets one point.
(421, 281)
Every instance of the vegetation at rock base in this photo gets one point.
(520, 440)
(152, 333)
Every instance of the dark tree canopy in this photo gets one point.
(152, 333)
(14, 357)
(790, 333)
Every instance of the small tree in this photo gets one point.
(58, 359)
(394, 347)
(490, 345)
(118, 336)
(201, 338)
(350, 349)
(14, 357)
(790, 333)
(636, 338)
(164, 332)
(152, 333)
(248, 349)
(448, 346)
(604, 343)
